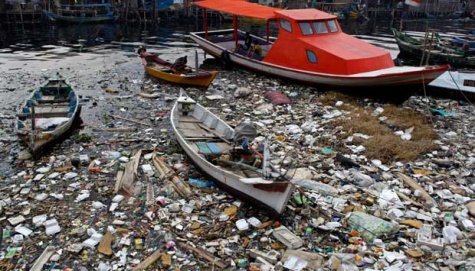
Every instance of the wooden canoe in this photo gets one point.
(52, 108)
(164, 70)
(207, 140)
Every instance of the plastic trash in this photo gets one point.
(52, 227)
(369, 226)
(277, 98)
(322, 188)
(111, 154)
(188, 207)
(103, 267)
(201, 183)
(286, 237)
(295, 263)
(242, 224)
(451, 233)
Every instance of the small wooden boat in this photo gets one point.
(47, 114)
(212, 145)
(312, 48)
(83, 14)
(432, 49)
(178, 73)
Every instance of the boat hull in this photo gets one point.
(393, 77)
(198, 79)
(270, 196)
(438, 54)
(454, 84)
(80, 20)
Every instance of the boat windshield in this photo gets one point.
(318, 27)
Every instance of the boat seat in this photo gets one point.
(208, 148)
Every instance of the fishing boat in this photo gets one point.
(83, 13)
(47, 114)
(454, 84)
(178, 72)
(312, 48)
(431, 49)
(215, 148)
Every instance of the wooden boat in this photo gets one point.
(431, 49)
(311, 48)
(178, 73)
(83, 13)
(47, 114)
(208, 142)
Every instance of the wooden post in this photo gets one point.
(32, 134)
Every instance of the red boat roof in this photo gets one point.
(305, 14)
(239, 8)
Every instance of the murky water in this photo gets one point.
(95, 56)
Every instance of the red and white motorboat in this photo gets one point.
(311, 48)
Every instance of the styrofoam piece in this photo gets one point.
(52, 227)
(286, 237)
(92, 241)
(39, 219)
(295, 263)
(70, 175)
(242, 224)
(435, 244)
(16, 220)
(84, 195)
(53, 175)
(272, 256)
(117, 198)
(468, 225)
(147, 169)
(41, 197)
(84, 158)
(38, 177)
(254, 222)
(113, 206)
(23, 230)
(43, 169)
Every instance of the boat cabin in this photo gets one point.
(310, 39)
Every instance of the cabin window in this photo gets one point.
(285, 25)
(333, 26)
(306, 28)
(320, 27)
(312, 57)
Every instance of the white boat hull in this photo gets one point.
(274, 201)
(454, 80)
(394, 76)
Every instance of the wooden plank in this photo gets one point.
(196, 133)
(202, 253)
(118, 181)
(214, 132)
(149, 260)
(43, 259)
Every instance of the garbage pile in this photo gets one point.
(125, 197)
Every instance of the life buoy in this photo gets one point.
(226, 58)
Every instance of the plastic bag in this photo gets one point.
(369, 226)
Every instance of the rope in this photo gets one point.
(458, 88)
